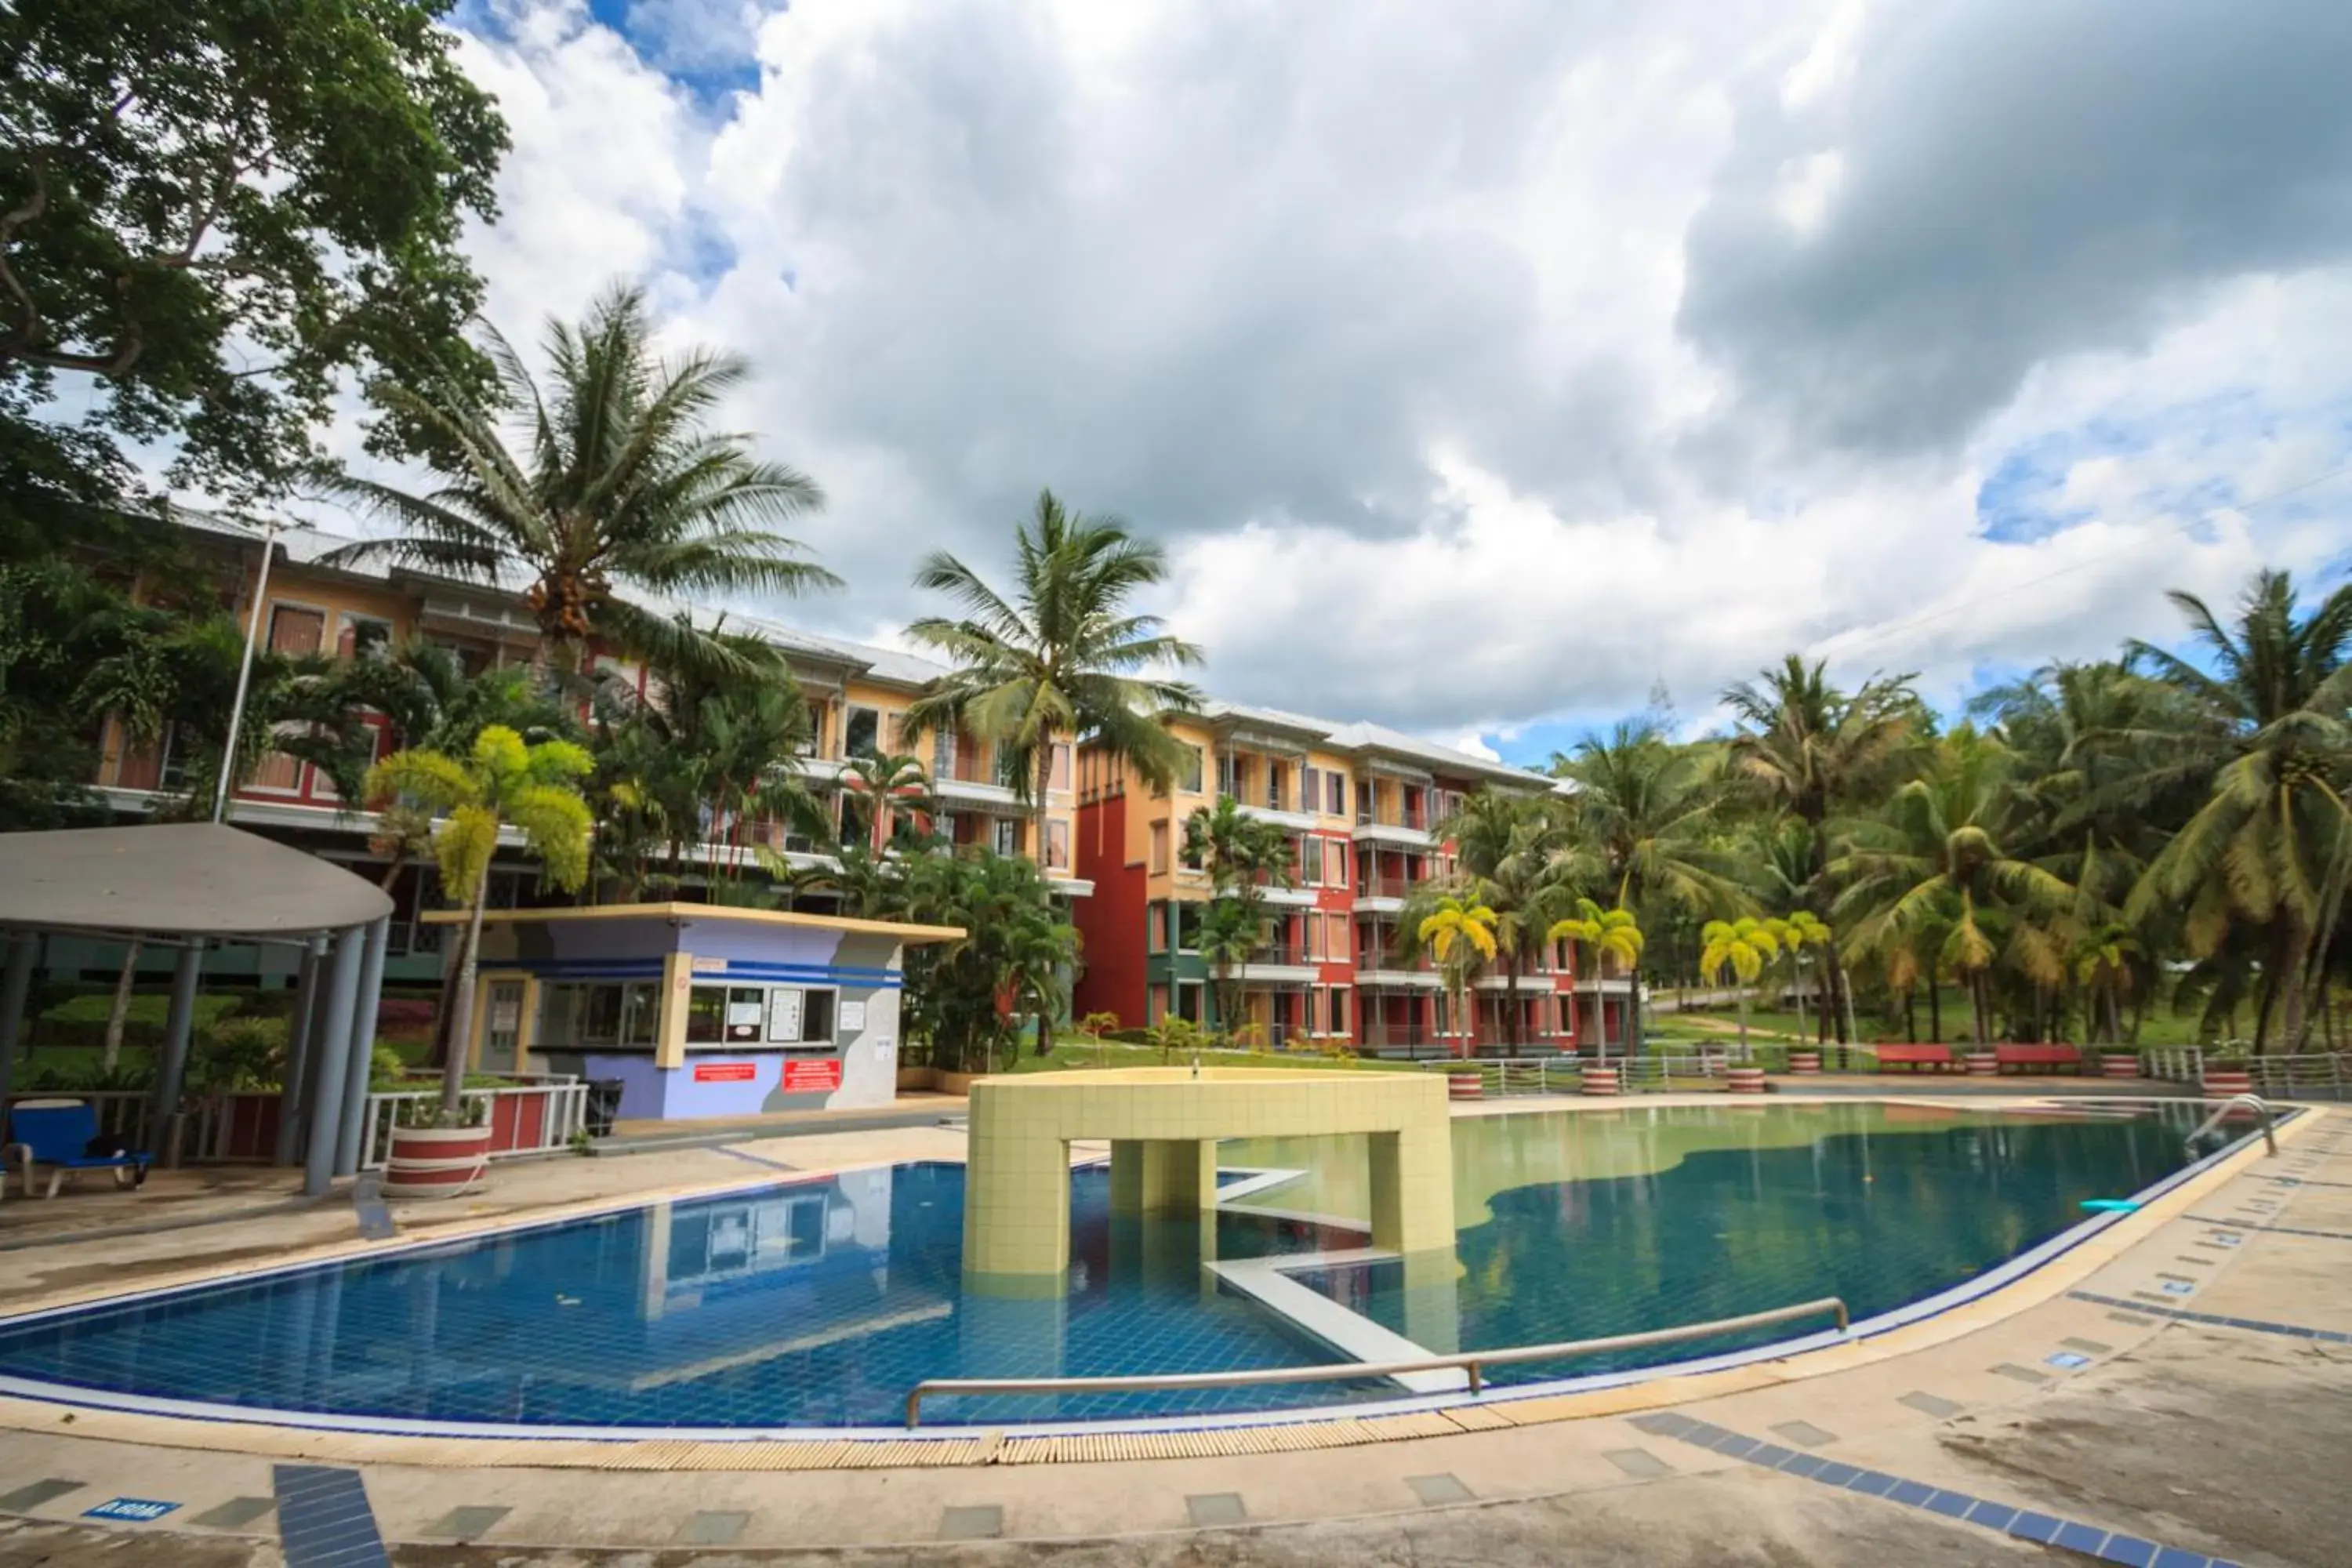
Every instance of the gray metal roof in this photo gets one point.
(176, 879)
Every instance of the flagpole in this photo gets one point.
(245, 673)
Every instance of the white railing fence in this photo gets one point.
(526, 1119)
(2307, 1075)
(1565, 1074)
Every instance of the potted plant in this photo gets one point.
(2119, 1061)
(438, 1151)
(2228, 1074)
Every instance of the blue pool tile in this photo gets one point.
(1803, 1464)
(1912, 1492)
(1833, 1474)
(2039, 1527)
(1872, 1483)
(2129, 1551)
(1992, 1515)
(1663, 1424)
(1771, 1455)
(1951, 1505)
(2173, 1557)
(2082, 1538)
(1733, 1444)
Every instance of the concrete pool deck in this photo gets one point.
(2093, 1394)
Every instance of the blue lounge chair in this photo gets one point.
(57, 1133)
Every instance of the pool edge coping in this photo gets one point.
(2043, 1274)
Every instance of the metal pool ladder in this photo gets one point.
(2254, 1102)
(1474, 1361)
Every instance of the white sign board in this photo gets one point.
(784, 1013)
(853, 1017)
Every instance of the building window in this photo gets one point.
(1336, 864)
(1190, 995)
(1061, 777)
(363, 636)
(1188, 771)
(1158, 1002)
(861, 734)
(293, 629)
(801, 1015)
(1058, 846)
(1278, 782)
(1335, 794)
(1310, 861)
(1310, 788)
(1186, 916)
(1338, 1014)
(1155, 928)
(1159, 849)
(857, 821)
(1007, 835)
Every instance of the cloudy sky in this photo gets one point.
(1489, 364)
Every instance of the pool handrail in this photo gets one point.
(1474, 1362)
(2259, 1107)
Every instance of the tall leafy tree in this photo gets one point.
(1065, 656)
(502, 782)
(1741, 948)
(1810, 749)
(600, 480)
(208, 213)
(1244, 856)
(1647, 823)
(1607, 934)
(1460, 936)
(1942, 859)
(2267, 735)
(1508, 856)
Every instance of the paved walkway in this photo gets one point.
(2189, 1400)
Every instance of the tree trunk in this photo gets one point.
(1601, 1002)
(461, 1010)
(1934, 1010)
(1838, 986)
(1511, 1001)
(119, 1014)
(1743, 1026)
(1798, 989)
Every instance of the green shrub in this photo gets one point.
(237, 1053)
(81, 1020)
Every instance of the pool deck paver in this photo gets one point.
(2133, 1381)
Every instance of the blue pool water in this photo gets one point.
(818, 1303)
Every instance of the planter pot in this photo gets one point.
(955, 1082)
(1465, 1086)
(1599, 1081)
(1805, 1061)
(1745, 1079)
(1983, 1064)
(2228, 1081)
(918, 1078)
(2118, 1067)
(435, 1162)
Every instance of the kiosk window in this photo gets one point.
(801, 1017)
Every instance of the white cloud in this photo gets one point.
(1384, 319)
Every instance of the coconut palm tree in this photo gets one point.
(502, 782)
(2267, 737)
(1646, 821)
(1460, 935)
(1608, 933)
(1940, 858)
(1743, 947)
(1063, 657)
(1809, 749)
(2104, 964)
(601, 479)
(1508, 856)
(1803, 929)
(1244, 855)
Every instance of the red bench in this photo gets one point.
(1914, 1057)
(2049, 1058)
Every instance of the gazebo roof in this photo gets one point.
(177, 879)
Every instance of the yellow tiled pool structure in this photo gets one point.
(1162, 1124)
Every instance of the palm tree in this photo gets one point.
(1063, 658)
(502, 782)
(1646, 823)
(1460, 935)
(1242, 854)
(1743, 946)
(1803, 928)
(1809, 749)
(1609, 933)
(602, 480)
(2267, 738)
(1939, 860)
(1507, 856)
(2104, 961)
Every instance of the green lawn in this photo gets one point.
(2162, 1027)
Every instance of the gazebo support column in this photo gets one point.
(172, 1072)
(303, 1027)
(16, 987)
(333, 1050)
(362, 1055)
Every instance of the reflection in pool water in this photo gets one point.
(818, 1303)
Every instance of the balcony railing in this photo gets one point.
(1384, 887)
(1291, 953)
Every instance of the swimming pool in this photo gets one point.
(818, 1303)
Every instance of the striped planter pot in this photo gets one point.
(2228, 1081)
(1745, 1080)
(1600, 1080)
(1465, 1086)
(2118, 1067)
(1983, 1064)
(435, 1162)
(1805, 1061)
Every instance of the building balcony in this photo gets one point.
(1280, 816)
(1381, 971)
(1407, 833)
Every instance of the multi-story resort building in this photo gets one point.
(1360, 801)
